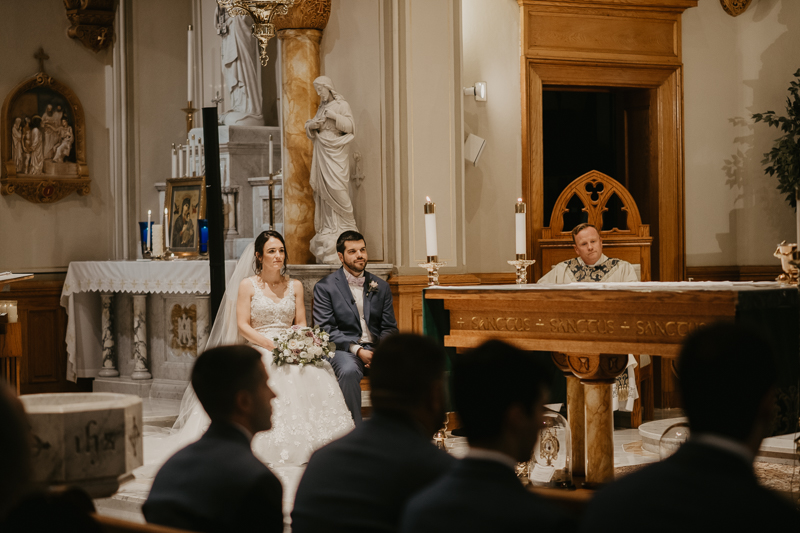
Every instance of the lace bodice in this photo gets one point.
(266, 314)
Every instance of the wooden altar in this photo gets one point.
(596, 324)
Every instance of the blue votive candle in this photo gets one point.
(203, 225)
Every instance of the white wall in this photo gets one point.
(735, 67)
(491, 54)
(352, 56)
(39, 237)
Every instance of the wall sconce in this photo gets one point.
(478, 91)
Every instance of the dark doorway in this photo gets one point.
(604, 129)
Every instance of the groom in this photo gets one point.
(355, 307)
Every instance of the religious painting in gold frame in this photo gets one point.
(43, 141)
(185, 202)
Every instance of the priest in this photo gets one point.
(592, 265)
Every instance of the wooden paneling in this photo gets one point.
(605, 34)
(407, 294)
(44, 327)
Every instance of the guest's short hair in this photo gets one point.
(580, 227)
(220, 373)
(488, 380)
(348, 236)
(403, 368)
(724, 372)
(15, 459)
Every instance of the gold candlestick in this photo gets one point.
(189, 110)
(521, 264)
(433, 265)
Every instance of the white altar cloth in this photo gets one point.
(84, 345)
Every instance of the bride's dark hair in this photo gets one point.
(261, 240)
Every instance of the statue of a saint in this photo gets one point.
(331, 130)
(241, 70)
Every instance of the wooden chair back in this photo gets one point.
(11, 354)
(596, 194)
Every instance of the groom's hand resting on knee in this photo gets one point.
(366, 356)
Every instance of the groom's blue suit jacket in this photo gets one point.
(336, 312)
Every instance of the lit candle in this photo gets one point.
(174, 162)
(270, 155)
(519, 210)
(432, 245)
(149, 231)
(180, 160)
(190, 77)
(166, 225)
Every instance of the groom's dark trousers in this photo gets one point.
(336, 312)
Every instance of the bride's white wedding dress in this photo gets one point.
(308, 412)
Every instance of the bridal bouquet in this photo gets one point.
(300, 345)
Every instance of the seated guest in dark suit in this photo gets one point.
(727, 382)
(362, 481)
(216, 483)
(499, 393)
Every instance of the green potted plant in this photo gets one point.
(784, 158)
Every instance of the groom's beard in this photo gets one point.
(358, 268)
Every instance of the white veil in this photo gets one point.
(224, 331)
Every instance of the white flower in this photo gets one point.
(293, 344)
(316, 350)
(373, 285)
(287, 353)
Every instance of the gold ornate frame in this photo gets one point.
(199, 183)
(43, 188)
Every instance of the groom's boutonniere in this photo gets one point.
(373, 287)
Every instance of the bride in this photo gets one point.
(260, 302)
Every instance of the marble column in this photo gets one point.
(300, 66)
(300, 32)
(577, 425)
(203, 326)
(599, 432)
(140, 370)
(109, 367)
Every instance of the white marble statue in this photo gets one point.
(241, 70)
(331, 130)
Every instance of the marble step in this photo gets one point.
(780, 449)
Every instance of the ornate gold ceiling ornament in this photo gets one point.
(92, 22)
(261, 11)
(734, 8)
(43, 140)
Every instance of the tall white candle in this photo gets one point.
(431, 244)
(166, 225)
(190, 77)
(519, 216)
(180, 160)
(270, 155)
(148, 231)
(174, 162)
(158, 240)
(202, 156)
(186, 156)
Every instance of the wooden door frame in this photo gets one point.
(667, 139)
(616, 44)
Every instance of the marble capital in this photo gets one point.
(305, 14)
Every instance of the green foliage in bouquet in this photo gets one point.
(784, 158)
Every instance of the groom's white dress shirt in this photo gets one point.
(357, 290)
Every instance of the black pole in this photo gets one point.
(216, 238)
